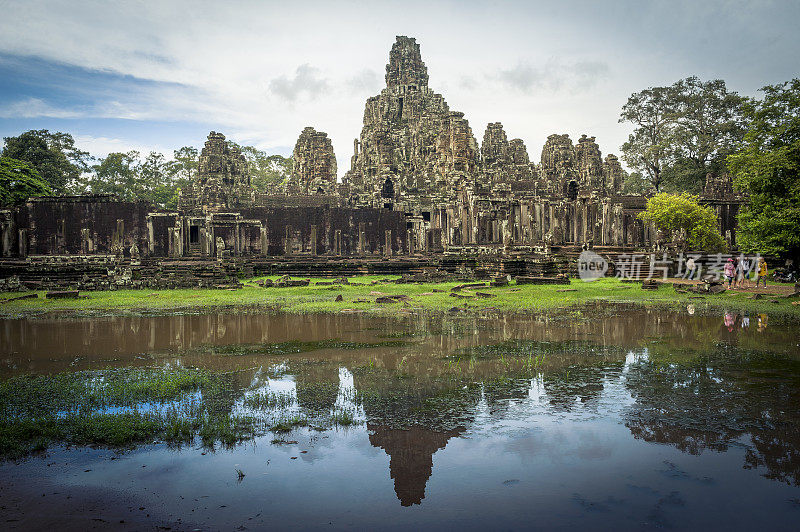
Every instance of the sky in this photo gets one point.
(158, 75)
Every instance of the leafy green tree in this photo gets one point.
(53, 155)
(685, 220)
(20, 181)
(266, 171)
(636, 184)
(117, 173)
(682, 132)
(183, 166)
(158, 187)
(181, 170)
(709, 125)
(648, 149)
(767, 169)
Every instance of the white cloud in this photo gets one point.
(554, 75)
(34, 108)
(548, 68)
(100, 147)
(305, 82)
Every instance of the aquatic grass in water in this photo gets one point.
(289, 423)
(294, 347)
(117, 407)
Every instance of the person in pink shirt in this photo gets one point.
(730, 272)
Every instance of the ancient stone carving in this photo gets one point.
(589, 164)
(718, 186)
(223, 181)
(614, 174)
(314, 164)
(411, 144)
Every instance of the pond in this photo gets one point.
(608, 417)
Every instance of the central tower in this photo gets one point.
(405, 70)
(412, 149)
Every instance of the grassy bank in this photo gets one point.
(362, 293)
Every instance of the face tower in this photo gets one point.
(412, 148)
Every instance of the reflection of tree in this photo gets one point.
(565, 388)
(317, 386)
(498, 393)
(410, 457)
(713, 401)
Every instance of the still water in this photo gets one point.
(606, 418)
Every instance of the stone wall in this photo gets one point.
(80, 225)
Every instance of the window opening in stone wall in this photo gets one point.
(572, 191)
(388, 189)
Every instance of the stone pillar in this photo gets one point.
(387, 251)
(287, 243)
(362, 237)
(237, 239)
(313, 240)
(150, 235)
(410, 242)
(337, 242)
(87, 246)
(23, 243)
(264, 240)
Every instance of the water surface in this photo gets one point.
(608, 418)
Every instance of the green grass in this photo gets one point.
(322, 298)
(118, 407)
(343, 418)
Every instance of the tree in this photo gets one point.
(652, 113)
(682, 132)
(53, 155)
(636, 184)
(767, 168)
(20, 181)
(681, 216)
(117, 173)
(157, 186)
(266, 171)
(709, 125)
(134, 179)
(182, 170)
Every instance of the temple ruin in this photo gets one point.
(420, 190)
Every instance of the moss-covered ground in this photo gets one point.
(361, 294)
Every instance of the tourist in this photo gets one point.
(729, 271)
(691, 268)
(762, 272)
(736, 272)
(744, 272)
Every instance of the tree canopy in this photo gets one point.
(53, 155)
(767, 169)
(135, 178)
(682, 132)
(685, 220)
(20, 181)
(266, 171)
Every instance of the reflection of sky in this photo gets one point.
(531, 462)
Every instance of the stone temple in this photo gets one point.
(420, 193)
